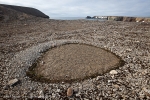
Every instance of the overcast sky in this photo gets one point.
(83, 8)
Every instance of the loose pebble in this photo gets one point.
(12, 82)
(69, 92)
(113, 72)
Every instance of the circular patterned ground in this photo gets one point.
(74, 62)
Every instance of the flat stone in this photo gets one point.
(113, 72)
(116, 86)
(129, 49)
(69, 92)
(12, 82)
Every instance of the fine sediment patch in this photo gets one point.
(73, 62)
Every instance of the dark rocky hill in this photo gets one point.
(11, 12)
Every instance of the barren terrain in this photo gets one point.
(75, 62)
(22, 42)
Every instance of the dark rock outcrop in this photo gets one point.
(129, 19)
(27, 10)
(115, 18)
(88, 17)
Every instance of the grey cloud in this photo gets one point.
(83, 8)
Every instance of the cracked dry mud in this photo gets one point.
(23, 42)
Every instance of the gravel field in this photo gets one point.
(23, 42)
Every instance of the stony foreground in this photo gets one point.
(22, 42)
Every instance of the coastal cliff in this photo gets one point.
(121, 18)
(128, 19)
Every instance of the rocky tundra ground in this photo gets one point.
(23, 41)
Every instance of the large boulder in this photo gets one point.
(139, 19)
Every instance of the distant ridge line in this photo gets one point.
(27, 10)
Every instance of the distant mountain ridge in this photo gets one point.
(27, 10)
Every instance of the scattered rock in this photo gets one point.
(58, 90)
(76, 90)
(128, 50)
(113, 72)
(144, 72)
(53, 95)
(146, 91)
(98, 78)
(13, 82)
(41, 94)
(6, 87)
(116, 86)
(69, 92)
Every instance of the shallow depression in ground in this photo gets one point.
(75, 62)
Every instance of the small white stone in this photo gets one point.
(53, 95)
(58, 90)
(113, 72)
(98, 77)
(129, 49)
(62, 82)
